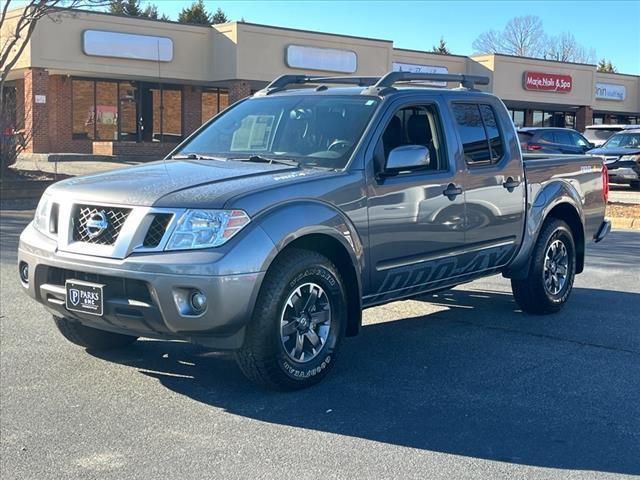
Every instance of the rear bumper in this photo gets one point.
(603, 231)
(143, 302)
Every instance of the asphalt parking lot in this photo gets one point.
(454, 385)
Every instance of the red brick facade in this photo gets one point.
(192, 109)
(238, 89)
(584, 117)
(36, 84)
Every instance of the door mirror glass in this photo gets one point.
(407, 157)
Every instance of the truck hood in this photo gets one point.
(614, 152)
(178, 180)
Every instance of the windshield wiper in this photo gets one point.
(261, 159)
(194, 156)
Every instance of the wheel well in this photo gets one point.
(568, 214)
(338, 254)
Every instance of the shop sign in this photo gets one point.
(127, 45)
(547, 82)
(418, 68)
(316, 58)
(610, 91)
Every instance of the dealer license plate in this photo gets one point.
(84, 297)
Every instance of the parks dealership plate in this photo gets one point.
(84, 297)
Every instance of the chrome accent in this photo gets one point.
(556, 267)
(305, 322)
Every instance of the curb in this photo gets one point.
(625, 223)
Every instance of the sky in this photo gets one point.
(609, 27)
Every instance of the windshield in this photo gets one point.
(315, 131)
(599, 133)
(623, 140)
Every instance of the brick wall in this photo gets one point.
(584, 117)
(150, 149)
(238, 89)
(192, 109)
(36, 82)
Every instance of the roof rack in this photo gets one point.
(386, 82)
(282, 81)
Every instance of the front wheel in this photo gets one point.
(298, 323)
(91, 338)
(552, 271)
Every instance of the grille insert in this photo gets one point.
(156, 230)
(83, 214)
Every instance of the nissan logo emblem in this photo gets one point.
(96, 224)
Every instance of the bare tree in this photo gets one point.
(522, 36)
(565, 48)
(16, 33)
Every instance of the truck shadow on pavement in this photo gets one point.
(477, 378)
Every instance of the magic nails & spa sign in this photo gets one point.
(547, 82)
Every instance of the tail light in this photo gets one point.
(533, 147)
(605, 184)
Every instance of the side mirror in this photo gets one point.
(408, 157)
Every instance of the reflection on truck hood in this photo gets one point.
(166, 183)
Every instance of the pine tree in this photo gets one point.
(132, 8)
(117, 7)
(606, 66)
(441, 48)
(219, 17)
(196, 13)
(150, 11)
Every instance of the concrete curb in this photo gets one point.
(625, 223)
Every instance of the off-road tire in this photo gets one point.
(263, 358)
(530, 293)
(92, 338)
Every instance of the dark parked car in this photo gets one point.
(622, 156)
(553, 140)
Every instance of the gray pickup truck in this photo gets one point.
(268, 230)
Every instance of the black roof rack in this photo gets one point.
(386, 82)
(375, 85)
(282, 81)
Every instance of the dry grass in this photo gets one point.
(623, 210)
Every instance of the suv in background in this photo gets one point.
(621, 155)
(598, 134)
(553, 140)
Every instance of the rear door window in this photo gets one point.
(482, 142)
(563, 138)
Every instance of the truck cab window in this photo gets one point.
(414, 125)
(479, 133)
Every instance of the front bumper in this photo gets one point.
(143, 293)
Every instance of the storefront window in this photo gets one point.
(538, 118)
(213, 101)
(127, 111)
(517, 116)
(83, 100)
(128, 108)
(106, 111)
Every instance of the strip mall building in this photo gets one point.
(111, 85)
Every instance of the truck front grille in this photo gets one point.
(157, 229)
(84, 219)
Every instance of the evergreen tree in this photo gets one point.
(606, 66)
(117, 7)
(441, 48)
(196, 13)
(132, 8)
(219, 17)
(150, 11)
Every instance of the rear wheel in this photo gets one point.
(298, 323)
(92, 338)
(552, 271)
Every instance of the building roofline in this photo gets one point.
(307, 31)
(531, 58)
(430, 53)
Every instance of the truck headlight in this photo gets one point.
(206, 228)
(43, 215)
(633, 158)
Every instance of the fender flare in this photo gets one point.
(552, 195)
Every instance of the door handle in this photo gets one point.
(510, 184)
(452, 191)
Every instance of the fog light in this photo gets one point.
(23, 271)
(198, 301)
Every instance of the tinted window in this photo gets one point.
(623, 140)
(479, 132)
(564, 138)
(472, 133)
(524, 137)
(579, 140)
(547, 137)
(493, 133)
